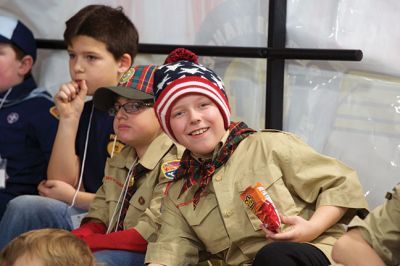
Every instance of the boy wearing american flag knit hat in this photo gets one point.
(175, 80)
(203, 215)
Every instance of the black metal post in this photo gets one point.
(275, 67)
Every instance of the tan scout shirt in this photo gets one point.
(297, 179)
(381, 228)
(144, 211)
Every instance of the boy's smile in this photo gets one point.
(197, 124)
(198, 131)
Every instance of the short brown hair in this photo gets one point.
(53, 247)
(105, 24)
(19, 55)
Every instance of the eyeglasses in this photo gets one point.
(130, 107)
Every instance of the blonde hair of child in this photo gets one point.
(53, 247)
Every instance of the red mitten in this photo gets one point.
(89, 228)
(129, 240)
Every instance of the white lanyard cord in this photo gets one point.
(5, 97)
(113, 147)
(83, 159)
(122, 196)
(3, 101)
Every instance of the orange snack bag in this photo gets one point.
(258, 200)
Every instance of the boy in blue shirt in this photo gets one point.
(27, 127)
(102, 43)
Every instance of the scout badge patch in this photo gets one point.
(169, 168)
(258, 200)
(54, 112)
(114, 146)
(126, 76)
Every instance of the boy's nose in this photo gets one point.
(194, 117)
(121, 114)
(77, 66)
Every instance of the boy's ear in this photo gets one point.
(26, 65)
(125, 63)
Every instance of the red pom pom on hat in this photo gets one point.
(180, 54)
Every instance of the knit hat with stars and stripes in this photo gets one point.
(182, 75)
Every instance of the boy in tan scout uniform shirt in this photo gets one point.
(203, 215)
(374, 240)
(125, 211)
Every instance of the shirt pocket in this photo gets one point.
(140, 201)
(136, 209)
(252, 218)
(112, 192)
(203, 219)
(275, 188)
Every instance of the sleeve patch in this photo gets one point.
(54, 112)
(169, 168)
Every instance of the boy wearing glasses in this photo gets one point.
(125, 212)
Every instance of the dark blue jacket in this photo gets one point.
(27, 132)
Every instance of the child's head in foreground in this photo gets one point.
(191, 103)
(102, 43)
(47, 247)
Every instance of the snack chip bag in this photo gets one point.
(258, 200)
